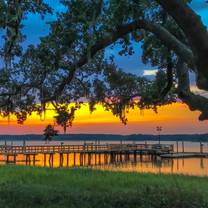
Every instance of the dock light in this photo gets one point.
(159, 129)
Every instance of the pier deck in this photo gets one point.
(110, 152)
(106, 148)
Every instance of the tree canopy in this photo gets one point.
(69, 65)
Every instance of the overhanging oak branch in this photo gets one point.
(161, 33)
(195, 102)
(196, 33)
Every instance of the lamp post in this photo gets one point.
(159, 129)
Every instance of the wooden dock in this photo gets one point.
(184, 155)
(109, 151)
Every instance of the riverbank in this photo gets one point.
(25, 187)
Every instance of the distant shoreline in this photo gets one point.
(109, 137)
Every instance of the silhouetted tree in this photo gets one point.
(49, 132)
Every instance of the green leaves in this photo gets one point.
(70, 65)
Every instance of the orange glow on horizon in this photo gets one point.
(175, 118)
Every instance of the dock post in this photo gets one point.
(34, 160)
(177, 164)
(26, 159)
(112, 157)
(172, 166)
(120, 156)
(177, 146)
(89, 158)
(84, 161)
(115, 157)
(135, 157)
(74, 158)
(125, 156)
(81, 159)
(95, 158)
(202, 163)
(51, 159)
(105, 158)
(99, 154)
(141, 158)
(183, 146)
(44, 159)
(61, 159)
(67, 159)
(201, 147)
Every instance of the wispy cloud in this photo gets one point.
(150, 72)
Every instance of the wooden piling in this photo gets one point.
(95, 158)
(183, 147)
(120, 156)
(85, 156)
(81, 159)
(61, 159)
(201, 147)
(89, 159)
(34, 160)
(74, 158)
(177, 146)
(99, 154)
(105, 158)
(15, 158)
(7, 160)
(67, 159)
(44, 159)
(135, 156)
(51, 159)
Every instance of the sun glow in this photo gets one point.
(174, 118)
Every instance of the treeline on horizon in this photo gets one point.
(108, 137)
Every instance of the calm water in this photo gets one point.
(188, 166)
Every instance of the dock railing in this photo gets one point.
(38, 149)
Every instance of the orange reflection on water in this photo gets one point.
(188, 166)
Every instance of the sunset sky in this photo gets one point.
(174, 119)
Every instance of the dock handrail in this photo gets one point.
(23, 149)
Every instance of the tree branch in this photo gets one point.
(195, 102)
(169, 85)
(161, 33)
(195, 31)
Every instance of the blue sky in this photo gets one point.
(35, 28)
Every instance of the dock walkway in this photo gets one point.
(92, 148)
(111, 151)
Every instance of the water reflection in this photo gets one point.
(139, 163)
(188, 166)
(121, 162)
